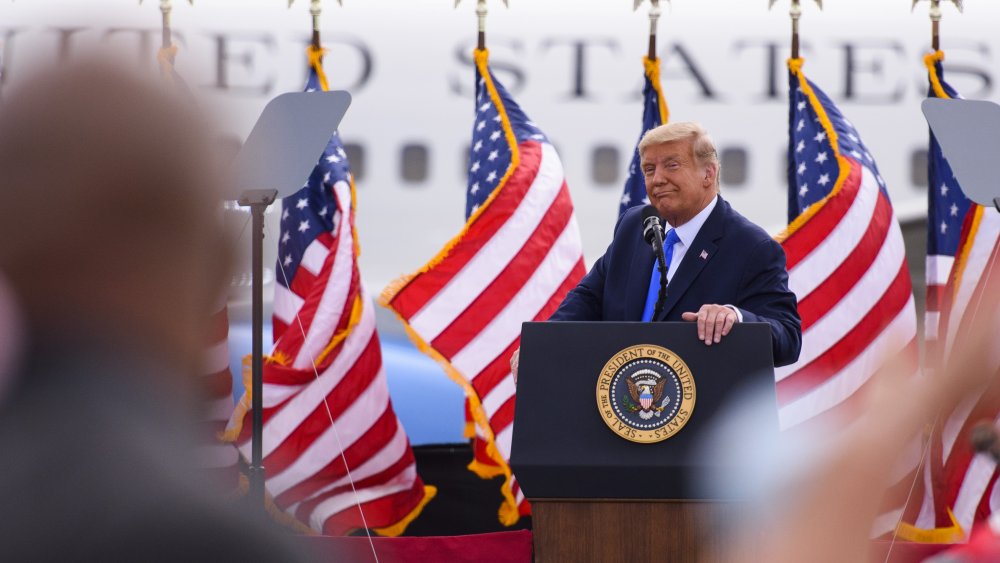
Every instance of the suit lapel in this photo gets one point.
(697, 256)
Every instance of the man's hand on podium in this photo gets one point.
(714, 322)
(513, 363)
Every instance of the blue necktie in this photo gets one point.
(654, 278)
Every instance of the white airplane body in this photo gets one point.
(575, 67)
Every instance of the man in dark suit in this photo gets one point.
(722, 268)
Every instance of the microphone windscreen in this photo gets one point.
(650, 223)
(649, 211)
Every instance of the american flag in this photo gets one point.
(962, 248)
(946, 209)
(484, 462)
(847, 266)
(517, 256)
(337, 458)
(966, 483)
(654, 114)
(846, 260)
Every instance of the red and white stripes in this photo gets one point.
(847, 266)
(514, 262)
(974, 273)
(335, 454)
(938, 268)
(962, 480)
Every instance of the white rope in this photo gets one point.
(329, 413)
(913, 485)
(972, 322)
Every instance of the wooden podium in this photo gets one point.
(599, 495)
(602, 530)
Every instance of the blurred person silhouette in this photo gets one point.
(111, 253)
(824, 512)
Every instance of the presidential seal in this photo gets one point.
(645, 393)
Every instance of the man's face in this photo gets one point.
(677, 186)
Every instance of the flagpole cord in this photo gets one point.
(329, 414)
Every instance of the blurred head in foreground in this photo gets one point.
(855, 481)
(111, 250)
(112, 199)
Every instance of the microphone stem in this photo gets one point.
(663, 293)
(661, 265)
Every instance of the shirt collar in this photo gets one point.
(689, 230)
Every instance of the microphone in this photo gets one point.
(652, 233)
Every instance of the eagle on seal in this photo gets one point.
(646, 393)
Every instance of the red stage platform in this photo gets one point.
(500, 547)
(512, 547)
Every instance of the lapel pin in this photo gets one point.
(703, 255)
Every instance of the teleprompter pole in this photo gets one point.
(257, 201)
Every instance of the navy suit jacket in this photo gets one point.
(731, 262)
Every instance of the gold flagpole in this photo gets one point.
(167, 49)
(651, 63)
(935, 15)
(654, 16)
(315, 10)
(795, 11)
(481, 12)
(316, 49)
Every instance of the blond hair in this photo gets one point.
(702, 147)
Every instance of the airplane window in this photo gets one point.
(356, 156)
(605, 163)
(734, 166)
(413, 162)
(918, 168)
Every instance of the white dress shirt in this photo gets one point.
(686, 234)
